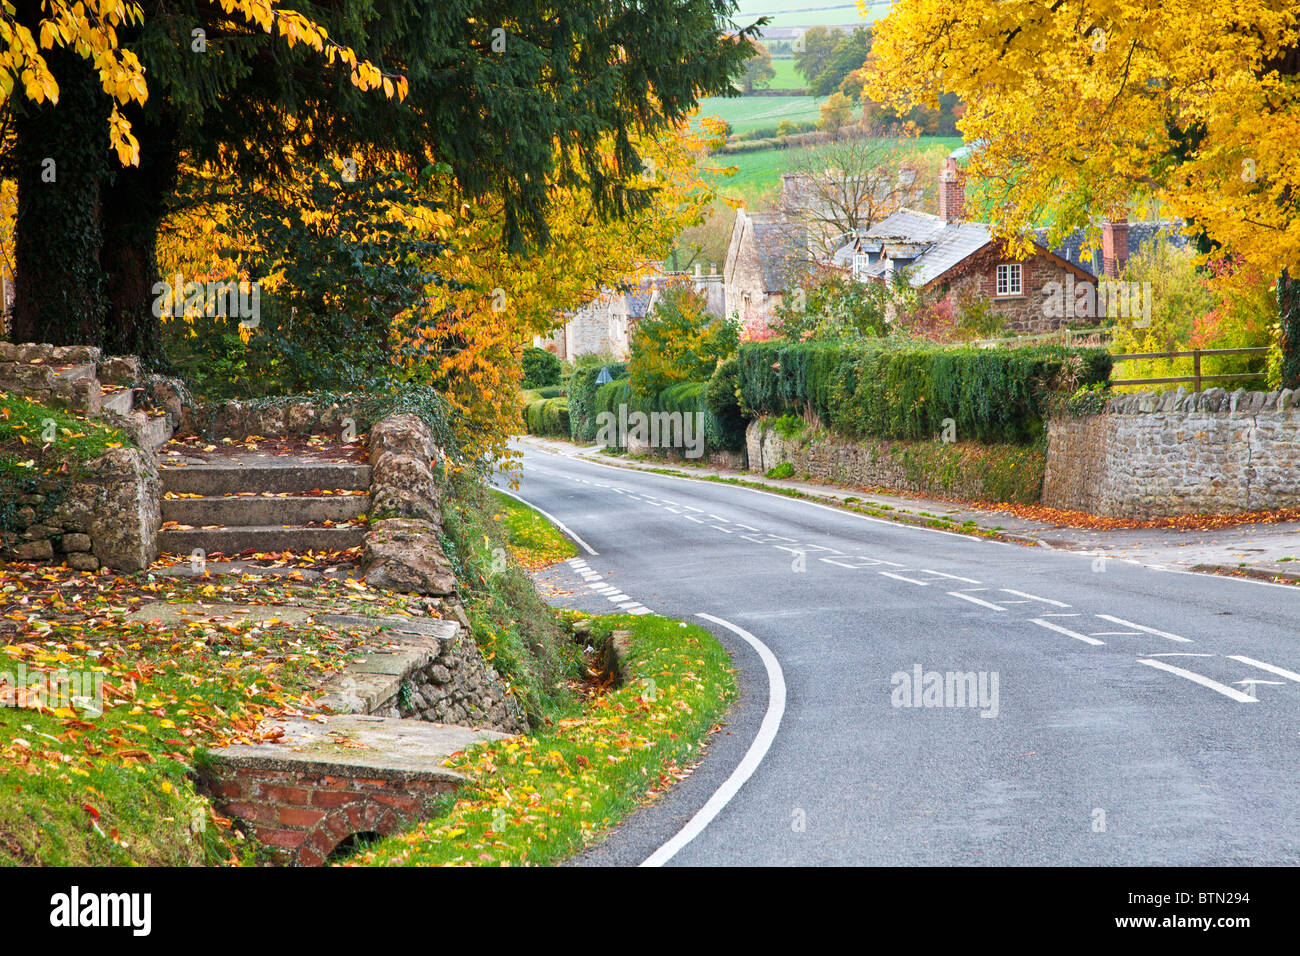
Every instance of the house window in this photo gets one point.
(860, 263)
(1009, 279)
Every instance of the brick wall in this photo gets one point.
(1158, 455)
(303, 815)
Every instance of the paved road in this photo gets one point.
(1117, 715)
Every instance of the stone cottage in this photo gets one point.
(765, 252)
(957, 259)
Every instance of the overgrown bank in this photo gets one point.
(538, 799)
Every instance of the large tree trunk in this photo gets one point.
(133, 207)
(1288, 308)
(59, 160)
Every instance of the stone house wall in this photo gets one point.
(1023, 313)
(1154, 455)
(745, 290)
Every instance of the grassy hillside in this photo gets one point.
(750, 112)
(758, 175)
(787, 77)
(827, 13)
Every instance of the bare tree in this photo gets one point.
(846, 187)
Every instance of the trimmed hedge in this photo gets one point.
(887, 390)
(548, 416)
(688, 398)
(541, 368)
(582, 396)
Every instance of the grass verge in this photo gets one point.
(538, 799)
(534, 541)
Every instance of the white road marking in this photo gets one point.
(1201, 679)
(554, 520)
(1066, 631)
(629, 605)
(900, 577)
(1177, 654)
(975, 600)
(1271, 668)
(1059, 614)
(1115, 633)
(753, 756)
(718, 527)
(1142, 627)
(955, 577)
(1035, 597)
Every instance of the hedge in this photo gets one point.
(687, 398)
(541, 368)
(582, 394)
(887, 390)
(548, 416)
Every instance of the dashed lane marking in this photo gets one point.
(901, 577)
(1142, 627)
(1034, 597)
(1066, 631)
(1214, 685)
(1271, 668)
(974, 600)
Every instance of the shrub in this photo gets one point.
(725, 422)
(907, 390)
(541, 368)
(781, 471)
(548, 416)
(582, 396)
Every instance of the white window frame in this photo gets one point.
(1010, 279)
(860, 263)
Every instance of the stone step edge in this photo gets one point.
(367, 685)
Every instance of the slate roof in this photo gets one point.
(1140, 235)
(781, 245)
(944, 244)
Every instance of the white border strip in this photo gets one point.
(550, 517)
(753, 756)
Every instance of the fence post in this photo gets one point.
(1196, 368)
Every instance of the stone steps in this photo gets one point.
(296, 509)
(212, 479)
(232, 526)
(117, 401)
(260, 538)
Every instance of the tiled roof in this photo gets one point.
(781, 245)
(1140, 235)
(908, 225)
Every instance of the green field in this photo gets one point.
(758, 175)
(828, 13)
(787, 77)
(750, 112)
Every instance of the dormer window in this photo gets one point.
(861, 261)
(1010, 279)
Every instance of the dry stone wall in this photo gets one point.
(1154, 455)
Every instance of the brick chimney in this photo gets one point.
(952, 192)
(1114, 246)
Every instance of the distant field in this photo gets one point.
(750, 112)
(822, 13)
(758, 175)
(787, 77)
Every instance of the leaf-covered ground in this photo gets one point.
(79, 787)
(539, 799)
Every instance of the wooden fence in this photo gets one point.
(1196, 378)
